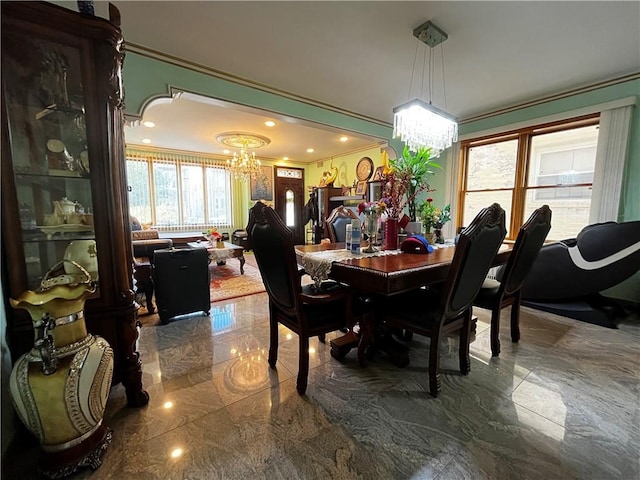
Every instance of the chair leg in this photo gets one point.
(465, 337)
(322, 337)
(515, 318)
(434, 365)
(495, 330)
(273, 342)
(149, 297)
(303, 367)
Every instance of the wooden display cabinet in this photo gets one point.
(63, 169)
(329, 198)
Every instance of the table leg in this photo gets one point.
(366, 338)
(241, 258)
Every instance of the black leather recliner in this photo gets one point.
(567, 276)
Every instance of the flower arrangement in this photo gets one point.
(407, 180)
(432, 216)
(212, 234)
(368, 208)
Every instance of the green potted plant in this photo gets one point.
(432, 216)
(411, 171)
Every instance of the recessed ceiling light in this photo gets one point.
(148, 124)
(310, 150)
(176, 452)
(270, 123)
(226, 152)
(146, 140)
(285, 158)
(344, 139)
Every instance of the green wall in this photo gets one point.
(630, 197)
(146, 78)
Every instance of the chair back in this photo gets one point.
(525, 251)
(273, 246)
(475, 251)
(337, 222)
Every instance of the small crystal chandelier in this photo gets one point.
(243, 165)
(418, 123)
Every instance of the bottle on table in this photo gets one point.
(356, 233)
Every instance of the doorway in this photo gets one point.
(290, 200)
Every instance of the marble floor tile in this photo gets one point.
(563, 403)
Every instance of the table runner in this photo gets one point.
(318, 264)
(220, 254)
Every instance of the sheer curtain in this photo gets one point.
(451, 189)
(613, 144)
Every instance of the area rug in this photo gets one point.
(226, 281)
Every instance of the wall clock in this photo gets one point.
(364, 169)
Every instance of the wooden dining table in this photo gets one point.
(385, 275)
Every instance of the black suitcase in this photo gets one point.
(181, 281)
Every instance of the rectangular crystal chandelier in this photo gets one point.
(418, 123)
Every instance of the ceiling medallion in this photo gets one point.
(243, 165)
(240, 139)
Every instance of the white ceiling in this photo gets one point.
(358, 56)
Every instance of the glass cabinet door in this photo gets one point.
(45, 110)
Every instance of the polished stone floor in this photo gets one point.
(561, 404)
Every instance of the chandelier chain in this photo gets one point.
(418, 123)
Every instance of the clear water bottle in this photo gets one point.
(348, 237)
(355, 236)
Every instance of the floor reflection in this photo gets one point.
(560, 404)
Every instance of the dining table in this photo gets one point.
(385, 273)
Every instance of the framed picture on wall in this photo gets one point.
(378, 174)
(361, 187)
(262, 186)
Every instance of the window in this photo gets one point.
(178, 192)
(522, 170)
(290, 208)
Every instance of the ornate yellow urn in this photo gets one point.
(60, 388)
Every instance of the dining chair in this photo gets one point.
(337, 222)
(304, 309)
(436, 312)
(507, 288)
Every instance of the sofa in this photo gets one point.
(568, 276)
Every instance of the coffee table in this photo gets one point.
(221, 254)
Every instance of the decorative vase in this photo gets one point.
(431, 237)
(370, 227)
(391, 234)
(414, 228)
(220, 244)
(60, 388)
(437, 230)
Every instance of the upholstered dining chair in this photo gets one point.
(304, 309)
(498, 294)
(436, 312)
(337, 222)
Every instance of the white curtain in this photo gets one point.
(613, 142)
(451, 190)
